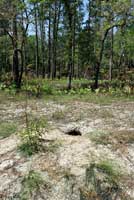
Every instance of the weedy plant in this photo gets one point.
(31, 137)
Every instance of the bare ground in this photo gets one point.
(63, 169)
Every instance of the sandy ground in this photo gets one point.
(64, 168)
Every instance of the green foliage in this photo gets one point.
(30, 185)
(47, 89)
(31, 137)
(6, 129)
(110, 169)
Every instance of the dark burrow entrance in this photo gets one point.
(74, 132)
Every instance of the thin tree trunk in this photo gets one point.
(36, 41)
(70, 42)
(15, 53)
(55, 36)
(42, 31)
(49, 44)
(54, 41)
(111, 58)
(73, 46)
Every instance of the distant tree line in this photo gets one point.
(56, 38)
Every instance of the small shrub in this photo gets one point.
(47, 89)
(31, 138)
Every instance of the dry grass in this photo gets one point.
(118, 140)
(59, 115)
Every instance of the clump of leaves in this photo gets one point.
(6, 129)
(31, 137)
(30, 185)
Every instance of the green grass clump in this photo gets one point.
(7, 129)
(110, 169)
(30, 185)
(100, 137)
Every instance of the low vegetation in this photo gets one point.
(57, 91)
(31, 137)
(31, 185)
(116, 139)
(7, 129)
(103, 182)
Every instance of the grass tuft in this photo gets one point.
(7, 129)
(30, 185)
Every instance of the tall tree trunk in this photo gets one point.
(54, 40)
(98, 62)
(25, 50)
(111, 57)
(55, 36)
(15, 53)
(42, 31)
(70, 53)
(69, 11)
(73, 46)
(36, 39)
(49, 43)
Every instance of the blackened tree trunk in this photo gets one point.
(98, 62)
